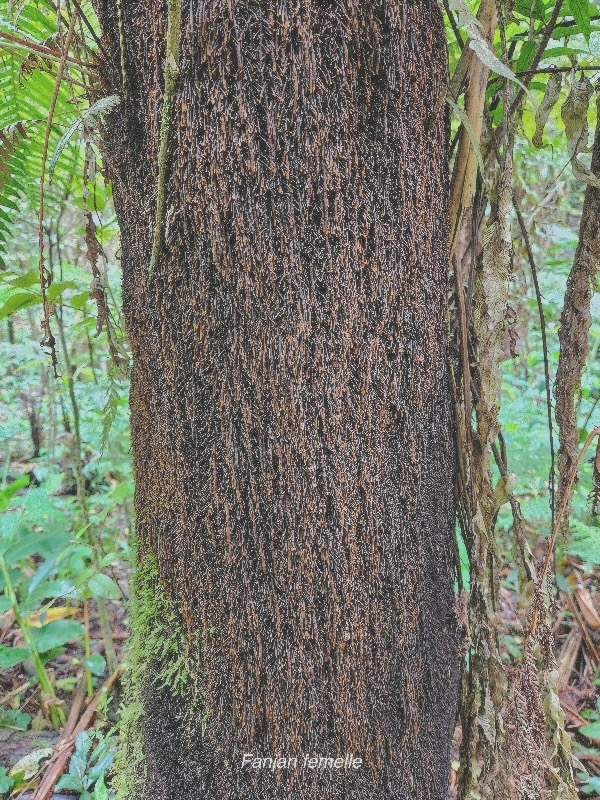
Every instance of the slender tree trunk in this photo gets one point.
(575, 324)
(291, 415)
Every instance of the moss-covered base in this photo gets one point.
(158, 661)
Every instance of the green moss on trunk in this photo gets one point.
(159, 657)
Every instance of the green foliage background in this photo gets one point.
(56, 555)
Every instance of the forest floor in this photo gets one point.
(74, 756)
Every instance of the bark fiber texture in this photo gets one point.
(291, 414)
(573, 334)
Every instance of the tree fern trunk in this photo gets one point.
(292, 423)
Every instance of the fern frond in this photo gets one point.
(9, 139)
(27, 83)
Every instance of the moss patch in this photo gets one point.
(158, 656)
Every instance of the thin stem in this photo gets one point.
(103, 615)
(33, 47)
(453, 23)
(538, 54)
(56, 714)
(45, 275)
(86, 647)
(538, 297)
(549, 70)
(90, 28)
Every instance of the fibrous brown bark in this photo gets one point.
(575, 323)
(291, 415)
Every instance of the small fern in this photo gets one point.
(585, 542)
(31, 40)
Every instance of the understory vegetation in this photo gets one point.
(521, 159)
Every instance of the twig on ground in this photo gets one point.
(59, 760)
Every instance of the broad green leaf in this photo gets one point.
(10, 656)
(529, 9)
(78, 301)
(526, 54)
(8, 492)
(109, 559)
(13, 718)
(101, 585)
(31, 278)
(556, 52)
(38, 505)
(56, 634)
(18, 302)
(96, 664)
(122, 491)
(42, 572)
(56, 289)
(567, 32)
(6, 202)
(70, 782)
(31, 542)
(6, 783)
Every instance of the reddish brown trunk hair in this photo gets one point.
(292, 423)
